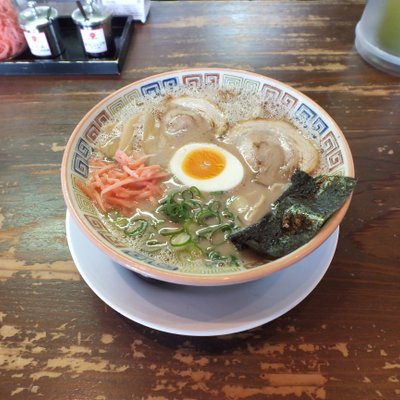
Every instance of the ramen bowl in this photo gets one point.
(335, 154)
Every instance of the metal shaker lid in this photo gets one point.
(94, 15)
(34, 17)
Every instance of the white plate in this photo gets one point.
(193, 310)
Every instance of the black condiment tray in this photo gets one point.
(74, 61)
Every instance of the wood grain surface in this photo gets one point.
(60, 341)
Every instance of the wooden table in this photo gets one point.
(60, 341)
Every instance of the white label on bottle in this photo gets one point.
(38, 43)
(94, 40)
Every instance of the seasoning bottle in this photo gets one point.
(41, 30)
(94, 24)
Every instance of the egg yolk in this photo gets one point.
(203, 163)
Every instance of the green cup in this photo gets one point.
(388, 34)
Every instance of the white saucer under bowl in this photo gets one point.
(194, 310)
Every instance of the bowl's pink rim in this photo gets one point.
(215, 279)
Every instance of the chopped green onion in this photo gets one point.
(115, 217)
(216, 259)
(235, 261)
(195, 191)
(216, 256)
(199, 224)
(209, 231)
(178, 206)
(187, 194)
(136, 227)
(121, 222)
(205, 232)
(205, 214)
(228, 214)
(190, 227)
(153, 245)
(180, 239)
(214, 206)
(169, 231)
(194, 203)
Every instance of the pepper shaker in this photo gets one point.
(41, 30)
(94, 25)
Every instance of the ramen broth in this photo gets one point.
(245, 203)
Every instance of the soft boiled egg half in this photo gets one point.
(207, 166)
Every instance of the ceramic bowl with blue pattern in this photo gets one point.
(335, 152)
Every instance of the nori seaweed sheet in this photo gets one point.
(297, 215)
